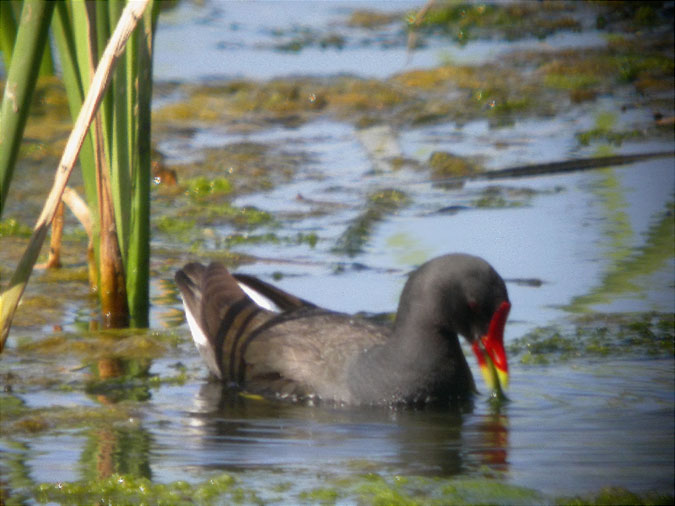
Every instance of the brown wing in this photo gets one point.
(219, 314)
(303, 352)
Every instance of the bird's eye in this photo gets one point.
(473, 306)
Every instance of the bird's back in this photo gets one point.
(303, 352)
(306, 354)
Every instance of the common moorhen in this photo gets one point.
(302, 352)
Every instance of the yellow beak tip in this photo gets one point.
(503, 378)
(495, 379)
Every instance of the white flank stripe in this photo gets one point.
(202, 342)
(259, 298)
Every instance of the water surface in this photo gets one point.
(584, 244)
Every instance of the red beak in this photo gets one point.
(490, 353)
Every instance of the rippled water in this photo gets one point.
(571, 426)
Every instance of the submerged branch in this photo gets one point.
(565, 166)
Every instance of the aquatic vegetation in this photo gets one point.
(646, 70)
(378, 205)
(238, 239)
(247, 167)
(10, 227)
(320, 495)
(18, 418)
(347, 95)
(496, 92)
(604, 129)
(369, 488)
(612, 137)
(241, 217)
(370, 18)
(647, 64)
(446, 165)
(501, 197)
(126, 345)
(558, 78)
(200, 187)
(174, 226)
(304, 37)
(463, 76)
(466, 21)
(640, 335)
(616, 495)
(129, 489)
(631, 17)
(291, 100)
